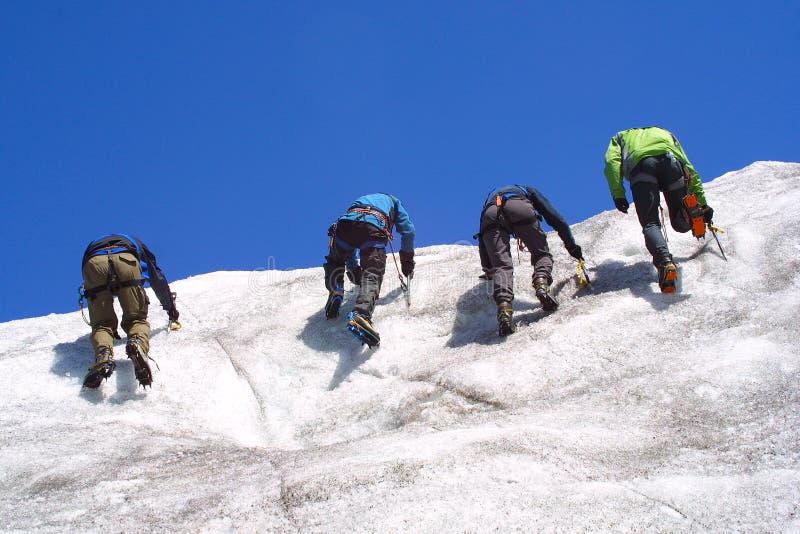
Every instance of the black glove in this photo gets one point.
(407, 263)
(622, 204)
(708, 214)
(576, 252)
(355, 276)
(173, 314)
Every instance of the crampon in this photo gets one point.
(362, 330)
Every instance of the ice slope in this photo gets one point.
(625, 410)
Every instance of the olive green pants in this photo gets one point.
(133, 300)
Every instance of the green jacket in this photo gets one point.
(629, 147)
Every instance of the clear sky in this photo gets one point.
(226, 134)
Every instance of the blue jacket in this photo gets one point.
(395, 213)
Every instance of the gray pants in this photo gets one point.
(518, 218)
(652, 176)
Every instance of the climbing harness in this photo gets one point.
(378, 214)
(113, 283)
(386, 220)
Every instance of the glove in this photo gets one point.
(576, 252)
(355, 276)
(407, 263)
(708, 214)
(173, 314)
(622, 204)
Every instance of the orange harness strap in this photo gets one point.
(379, 215)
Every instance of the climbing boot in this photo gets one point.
(667, 276)
(505, 319)
(542, 288)
(136, 352)
(695, 213)
(333, 303)
(103, 367)
(361, 327)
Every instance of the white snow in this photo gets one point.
(625, 410)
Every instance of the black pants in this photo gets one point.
(371, 242)
(518, 218)
(650, 178)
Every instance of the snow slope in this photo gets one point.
(625, 410)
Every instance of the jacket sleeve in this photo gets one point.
(157, 279)
(695, 184)
(406, 228)
(613, 169)
(551, 216)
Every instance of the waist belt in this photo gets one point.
(378, 214)
(114, 287)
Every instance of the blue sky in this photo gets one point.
(224, 134)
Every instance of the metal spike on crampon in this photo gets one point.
(695, 215)
(97, 373)
(139, 357)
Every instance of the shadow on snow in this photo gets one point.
(640, 279)
(331, 335)
(72, 359)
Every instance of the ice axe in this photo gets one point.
(583, 275)
(714, 231)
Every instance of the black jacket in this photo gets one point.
(540, 204)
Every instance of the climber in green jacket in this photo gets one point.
(654, 162)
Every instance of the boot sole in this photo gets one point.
(332, 311)
(96, 376)
(364, 333)
(506, 329)
(548, 302)
(93, 380)
(332, 307)
(695, 215)
(140, 366)
(668, 285)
